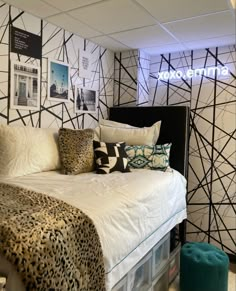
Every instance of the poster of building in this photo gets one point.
(85, 100)
(58, 81)
(25, 80)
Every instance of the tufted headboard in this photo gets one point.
(174, 128)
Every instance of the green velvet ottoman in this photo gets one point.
(203, 267)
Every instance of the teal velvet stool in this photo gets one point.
(203, 267)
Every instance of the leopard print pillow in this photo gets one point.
(76, 150)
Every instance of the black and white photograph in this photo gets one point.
(85, 100)
(24, 86)
(58, 81)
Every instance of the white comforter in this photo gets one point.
(127, 209)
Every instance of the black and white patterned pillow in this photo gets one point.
(110, 157)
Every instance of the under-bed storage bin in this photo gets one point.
(139, 278)
(161, 253)
(121, 286)
(162, 281)
(174, 263)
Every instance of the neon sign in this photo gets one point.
(206, 72)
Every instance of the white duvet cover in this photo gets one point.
(131, 211)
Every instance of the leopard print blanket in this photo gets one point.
(53, 245)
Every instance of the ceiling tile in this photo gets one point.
(169, 10)
(210, 26)
(69, 23)
(37, 8)
(131, 24)
(211, 42)
(176, 47)
(144, 37)
(113, 16)
(70, 4)
(107, 42)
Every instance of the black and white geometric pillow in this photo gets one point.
(110, 157)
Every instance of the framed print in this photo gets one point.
(85, 66)
(85, 100)
(58, 81)
(25, 80)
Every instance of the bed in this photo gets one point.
(122, 205)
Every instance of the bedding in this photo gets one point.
(110, 157)
(174, 129)
(76, 150)
(110, 123)
(45, 237)
(131, 211)
(27, 150)
(149, 157)
(130, 135)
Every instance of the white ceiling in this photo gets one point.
(156, 26)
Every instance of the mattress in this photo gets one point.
(131, 211)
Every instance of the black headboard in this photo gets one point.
(174, 128)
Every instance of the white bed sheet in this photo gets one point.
(131, 211)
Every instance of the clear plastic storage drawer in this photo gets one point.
(174, 264)
(139, 278)
(162, 282)
(161, 253)
(121, 286)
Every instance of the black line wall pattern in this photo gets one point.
(131, 78)
(143, 79)
(57, 44)
(125, 78)
(212, 154)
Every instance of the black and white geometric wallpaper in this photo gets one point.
(143, 91)
(131, 78)
(57, 44)
(125, 78)
(212, 153)
(190, 78)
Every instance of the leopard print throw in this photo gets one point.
(53, 245)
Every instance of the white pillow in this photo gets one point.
(96, 133)
(27, 150)
(142, 135)
(112, 123)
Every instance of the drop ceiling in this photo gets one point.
(155, 26)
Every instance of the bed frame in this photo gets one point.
(174, 129)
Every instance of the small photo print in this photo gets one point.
(85, 100)
(25, 80)
(85, 64)
(58, 81)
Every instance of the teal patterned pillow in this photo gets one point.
(149, 157)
